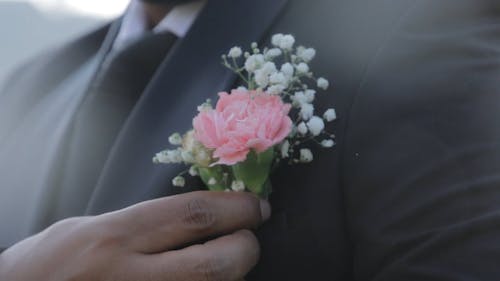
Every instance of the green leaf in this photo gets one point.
(218, 174)
(254, 172)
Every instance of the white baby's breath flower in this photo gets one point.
(330, 115)
(316, 125)
(322, 83)
(168, 157)
(238, 186)
(262, 74)
(212, 181)
(272, 53)
(193, 171)
(298, 99)
(278, 78)
(276, 39)
(235, 52)
(187, 157)
(179, 181)
(306, 55)
(288, 70)
(242, 88)
(285, 148)
(302, 128)
(206, 106)
(175, 156)
(327, 143)
(269, 67)
(175, 139)
(310, 95)
(306, 111)
(276, 89)
(254, 62)
(261, 78)
(302, 68)
(287, 42)
(306, 155)
(202, 156)
(158, 158)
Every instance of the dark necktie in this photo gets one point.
(111, 97)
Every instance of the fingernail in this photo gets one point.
(265, 209)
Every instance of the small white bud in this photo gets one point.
(235, 52)
(187, 157)
(272, 53)
(193, 171)
(310, 95)
(330, 115)
(202, 156)
(323, 83)
(276, 39)
(278, 78)
(175, 139)
(306, 55)
(302, 128)
(287, 42)
(299, 98)
(306, 111)
(206, 106)
(254, 62)
(327, 143)
(212, 181)
(179, 181)
(261, 78)
(302, 68)
(168, 157)
(306, 155)
(316, 125)
(285, 147)
(276, 89)
(269, 67)
(287, 69)
(238, 186)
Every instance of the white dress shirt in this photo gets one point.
(178, 21)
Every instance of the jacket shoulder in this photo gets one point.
(46, 69)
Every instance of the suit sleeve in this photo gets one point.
(422, 158)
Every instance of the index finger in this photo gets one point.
(168, 223)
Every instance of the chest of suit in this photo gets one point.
(308, 222)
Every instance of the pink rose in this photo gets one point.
(242, 121)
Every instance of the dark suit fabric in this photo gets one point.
(412, 189)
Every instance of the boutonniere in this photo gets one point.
(268, 121)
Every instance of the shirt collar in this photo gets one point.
(178, 21)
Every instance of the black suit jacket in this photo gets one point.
(412, 189)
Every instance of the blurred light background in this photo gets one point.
(27, 27)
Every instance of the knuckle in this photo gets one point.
(65, 224)
(107, 238)
(103, 234)
(199, 214)
(63, 229)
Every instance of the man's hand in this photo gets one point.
(151, 241)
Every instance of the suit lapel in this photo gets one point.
(190, 74)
